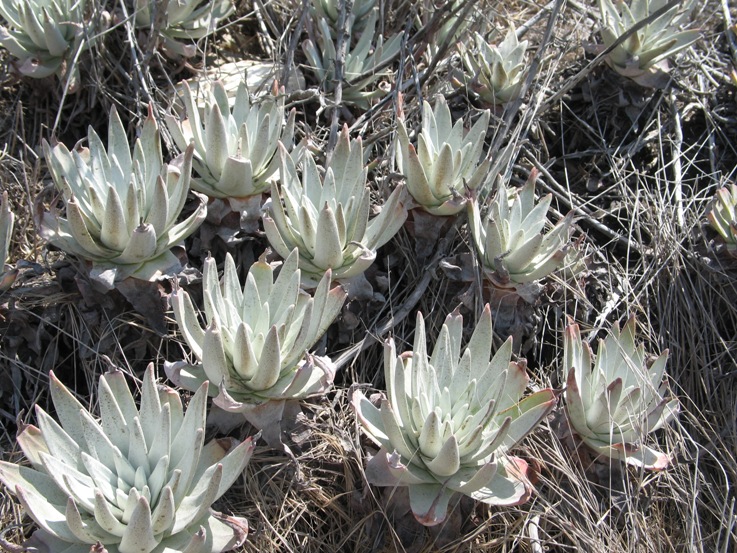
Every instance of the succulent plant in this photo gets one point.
(330, 11)
(43, 34)
(510, 239)
(181, 20)
(327, 218)
(362, 61)
(235, 150)
(614, 403)
(446, 161)
(440, 19)
(134, 481)
(449, 420)
(723, 217)
(254, 349)
(645, 50)
(121, 210)
(495, 73)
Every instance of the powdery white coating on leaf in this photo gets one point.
(450, 419)
(121, 209)
(446, 162)
(253, 350)
(511, 239)
(138, 480)
(327, 218)
(615, 401)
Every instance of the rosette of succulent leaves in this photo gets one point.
(182, 22)
(449, 24)
(448, 421)
(513, 246)
(643, 55)
(495, 74)
(329, 10)
(121, 209)
(327, 217)
(234, 148)
(253, 350)
(615, 402)
(722, 216)
(136, 480)
(45, 35)
(366, 62)
(446, 163)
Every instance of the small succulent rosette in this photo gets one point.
(495, 74)
(330, 11)
(136, 480)
(448, 421)
(614, 402)
(511, 240)
(644, 54)
(327, 218)
(448, 23)
(722, 216)
(121, 209)
(182, 23)
(45, 35)
(254, 350)
(235, 149)
(366, 62)
(446, 162)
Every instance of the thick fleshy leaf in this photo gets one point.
(429, 503)
(188, 321)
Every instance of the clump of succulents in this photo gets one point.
(446, 162)
(254, 348)
(495, 73)
(44, 35)
(136, 480)
(327, 218)
(365, 63)
(448, 421)
(510, 239)
(234, 149)
(616, 401)
(644, 52)
(182, 21)
(121, 210)
(723, 217)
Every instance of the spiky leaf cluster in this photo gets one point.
(365, 62)
(614, 402)
(449, 420)
(121, 209)
(446, 161)
(511, 241)
(180, 22)
(254, 347)
(647, 47)
(136, 480)
(327, 217)
(723, 216)
(44, 35)
(235, 148)
(495, 73)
